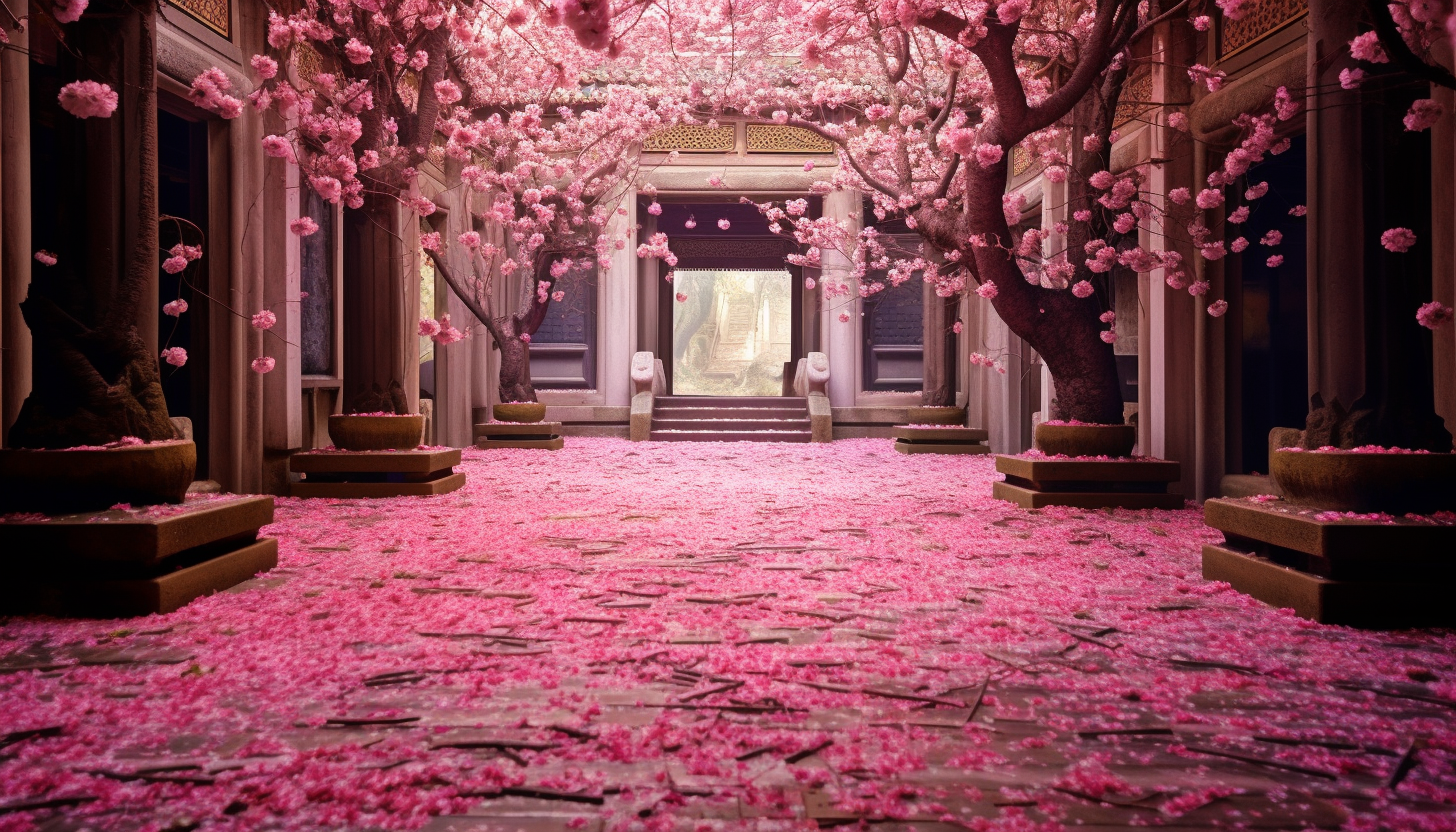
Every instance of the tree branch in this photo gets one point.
(1400, 52)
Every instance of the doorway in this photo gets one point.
(732, 331)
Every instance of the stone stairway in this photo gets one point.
(730, 419)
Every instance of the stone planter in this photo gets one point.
(1366, 482)
(1085, 440)
(519, 412)
(920, 415)
(376, 433)
(94, 479)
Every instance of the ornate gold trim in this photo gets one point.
(692, 138)
(1263, 19)
(216, 15)
(1020, 160)
(782, 138)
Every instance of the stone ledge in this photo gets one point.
(555, 443)
(536, 430)
(137, 537)
(120, 597)
(911, 433)
(1353, 603)
(1031, 498)
(374, 462)
(906, 447)
(366, 490)
(1088, 470)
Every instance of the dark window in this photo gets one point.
(316, 255)
(563, 350)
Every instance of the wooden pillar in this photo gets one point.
(938, 358)
(840, 339)
(1443, 251)
(283, 405)
(15, 249)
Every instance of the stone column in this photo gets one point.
(381, 299)
(1166, 422)
(15, 253)
(617, 310)
(840, 339)
(282, 282)
(1443, 251)
(454, 420)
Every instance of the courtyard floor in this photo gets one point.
(702, 637)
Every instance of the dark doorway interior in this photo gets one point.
(182, 193)
(1274, 357)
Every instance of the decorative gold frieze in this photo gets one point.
(1020, 160)
(216, 15)
(692, 138)
(1136, 99)
(782, 138)
(1262, 18)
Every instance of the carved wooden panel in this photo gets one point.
(216, 15)
(1261, 19)
(782, 138)
(1136, 99)
(692, 138)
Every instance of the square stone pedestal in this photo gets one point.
(910, 439)
(1033, 482)
(353, 474)
(129, 562)
(544, 436)
(1335, 570)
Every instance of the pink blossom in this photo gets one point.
(1238, 244)
(809, 284)
(210, 92)
(1367, 48)
(1239, 215)
(470, 239)
(1179, 196)
(88, 99)
(303, 226)
(526, 337)
(447, 92)
(1434, 315)
(1101, 180)
(1423, 115)
(429, 327)
(1092, 144)
(1218, 308)
(1275, 261)
(987, 290)
(1209, 198)
(1082, 289)
(680, 297)
(278, 147)
(1108, 336)
(263, 365)
(844, 317)
(558, 295)
(1257, 191)
(1272, 238)
(1350, 78)
(1198, 288)
(1202, 22)
(265, 66)
(808, 166)
(957, 327)
(724, 224)
(655, 209)
(357, 52)
(1108, 317)
(174, 308)
(45, 258)
(988, 155)
(1082, 216)
(690, 222)
(1398, 240)
(264, 319)
(176, 356)
(1212, 251)
(68, 11)
(174, 265)
(1298, 211)
(715, 181)
(430, 241)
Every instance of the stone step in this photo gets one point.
(730, 424)
(731, 436)
(676, 413)
(731, 401)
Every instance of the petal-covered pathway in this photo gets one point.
(704, 637)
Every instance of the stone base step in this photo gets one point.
(1413, 603)
(77, 592)
(367, 490)
(553, 443)
(1030, 498)
(731, 436)
(906, 447)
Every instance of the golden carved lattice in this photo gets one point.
(1020, 160)
(692, 138)
(307, 63)
(782, 138)
(1262, 19)
(1136, 99)
(216, 15)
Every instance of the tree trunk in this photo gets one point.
(515, 367)
(95, 384)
